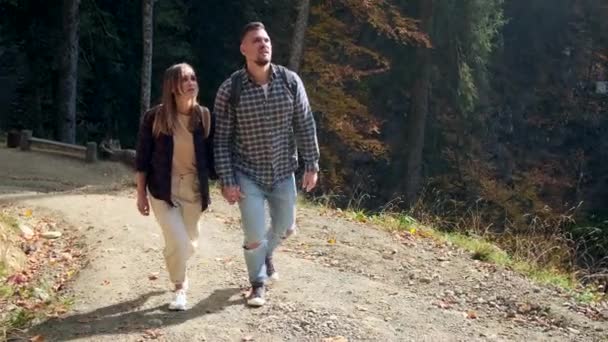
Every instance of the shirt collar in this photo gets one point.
(273, 74)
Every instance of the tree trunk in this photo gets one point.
(38, 114)
(146, 66)
(420, 105)
(68, 71)
(297, 44)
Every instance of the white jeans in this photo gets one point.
(179, 224)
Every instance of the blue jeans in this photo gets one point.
(282, 208)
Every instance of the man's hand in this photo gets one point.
(309, 180)
(142, 204)
(232, 194)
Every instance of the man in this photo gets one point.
(262, 114)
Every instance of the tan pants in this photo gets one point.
(179, 224)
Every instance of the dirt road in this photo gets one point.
(338, 278)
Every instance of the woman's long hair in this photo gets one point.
(166, 116)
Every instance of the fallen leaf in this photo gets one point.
(37, 338)
(443, 305)
(524, 308)
(28, 213)
(152, 334)
(51, 235)
(60, 310)
(17, 279)
(335, 339)
(153, 276)
(332, 241)
(471, 314)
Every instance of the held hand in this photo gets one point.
(143, 205)
(309, 180)
(232, 194)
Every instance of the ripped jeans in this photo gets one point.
(281, 201)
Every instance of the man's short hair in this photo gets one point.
(252, 26)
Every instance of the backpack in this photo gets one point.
(205, 120)
(237, 80)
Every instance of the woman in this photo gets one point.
(174, 163)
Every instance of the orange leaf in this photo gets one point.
(444, 305)
(37, 338)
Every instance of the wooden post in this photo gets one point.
(91, 155)
(13, 138)
(25, 142)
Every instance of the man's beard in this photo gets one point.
(262, 61)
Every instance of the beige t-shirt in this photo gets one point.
(184, 160)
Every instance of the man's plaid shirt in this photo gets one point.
(259, 136)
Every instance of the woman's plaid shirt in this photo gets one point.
(259, 136)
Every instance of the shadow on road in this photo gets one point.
(125, 317)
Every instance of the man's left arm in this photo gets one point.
(305, 128)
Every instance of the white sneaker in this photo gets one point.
(180, 301)
(274, 277)
(293, 231)
(256, 297)
(271, 272)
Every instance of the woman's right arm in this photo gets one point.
(143, 157)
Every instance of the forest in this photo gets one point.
(487, 117)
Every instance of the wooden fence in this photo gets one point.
(27, 142)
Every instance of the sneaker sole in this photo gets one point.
(274, 277)
(177, 308)
(256, 302)
(289, 234)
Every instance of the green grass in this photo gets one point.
(20, 318)
(484, 250)
(9, 221)
(68, 302)
(5, 290)
(481, 249)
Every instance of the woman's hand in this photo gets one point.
(142, 195)
(232, 194)
(142, 204)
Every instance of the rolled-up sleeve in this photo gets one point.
(305, 128)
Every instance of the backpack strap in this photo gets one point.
(289, 79)
(236, 81)
(206, 119)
